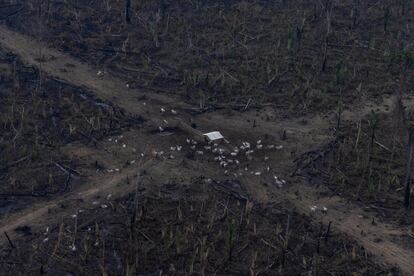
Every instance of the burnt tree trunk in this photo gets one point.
(128, 11)
(410, 146)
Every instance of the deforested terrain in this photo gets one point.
(104, 168)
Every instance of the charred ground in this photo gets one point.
(318, 90)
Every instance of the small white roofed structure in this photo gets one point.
(213, 136)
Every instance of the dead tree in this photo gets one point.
(410, 148)
(328, 7)
(128, 11)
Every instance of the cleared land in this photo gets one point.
(101, 124)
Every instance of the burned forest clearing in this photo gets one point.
(211, 137)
